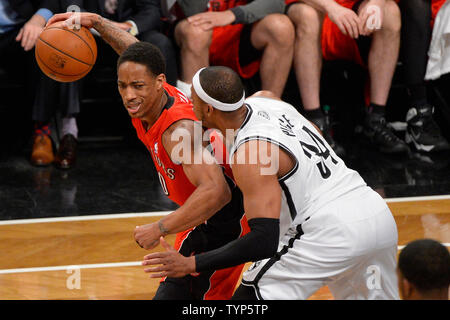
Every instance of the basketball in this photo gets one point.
(65, 54)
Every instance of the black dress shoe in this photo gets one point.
(67, 152)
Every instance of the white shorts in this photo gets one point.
(349, 245)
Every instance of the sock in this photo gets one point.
(42, 128)
(314, 114)
(376, 108)
(69, 126)
(184, 87)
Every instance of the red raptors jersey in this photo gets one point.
(173, 180)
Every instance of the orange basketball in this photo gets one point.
(65, 54)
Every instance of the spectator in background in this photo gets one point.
(341, 30)
(424, 271)
(141, 18)
(247, 36)
(21, 22)
(417, 20)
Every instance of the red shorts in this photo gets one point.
(336, 45)
(224, 50)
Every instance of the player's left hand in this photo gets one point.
(169, 263)
(30, 32)
(209, 20)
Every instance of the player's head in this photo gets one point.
(424, 270)
(216, 91)
(140, 78)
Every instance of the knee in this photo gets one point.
(392, 17)
(190, 37)
(280, 29)
(307, 20)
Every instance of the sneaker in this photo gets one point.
(422, 131)
(376, 129)
(324, 125)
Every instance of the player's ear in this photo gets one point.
(407, 289)
(161, 79)
(209, 110)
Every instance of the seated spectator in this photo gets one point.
(141, 18)
(424, 271)
(422, 132)
(21, 22)
(247, 36)
(343, 30)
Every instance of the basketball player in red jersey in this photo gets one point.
(160, 112)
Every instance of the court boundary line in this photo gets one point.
(164, 213)
(98, 266)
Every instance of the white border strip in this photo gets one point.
(73, 267)
(164, 213)
(97, 265)
(412, 199)
(86, 218)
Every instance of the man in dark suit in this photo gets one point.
(21, 22)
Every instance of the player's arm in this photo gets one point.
(212, 192)
(117, 38)
(262, 202)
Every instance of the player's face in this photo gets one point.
(199, 108)
(139, 89)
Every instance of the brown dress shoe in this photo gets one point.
(67, 152)
(42, 154)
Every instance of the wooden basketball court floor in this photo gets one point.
(96, 257)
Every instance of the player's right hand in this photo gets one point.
(147, 236)
(74, 19)
(346, 19)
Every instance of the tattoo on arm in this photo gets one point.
(163, 229)
(118, 39)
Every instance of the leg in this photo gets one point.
(308, 66)
(308, 53)
(383, 54)
(194, 45)
(274, 34)
(382, 62)
(422, 133)
(415, 39)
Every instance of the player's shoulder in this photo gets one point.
(176, 93)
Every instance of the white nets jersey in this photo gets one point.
(319, 176)
(334, 229)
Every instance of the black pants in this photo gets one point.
(415, 39)
(18, 65)
(167, 48)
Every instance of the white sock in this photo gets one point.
(184, 87)
(69, 126)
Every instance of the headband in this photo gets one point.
(215, 103)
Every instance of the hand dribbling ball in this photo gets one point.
(65, 54)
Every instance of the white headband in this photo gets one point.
(215, 103)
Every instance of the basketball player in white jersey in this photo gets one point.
(313, 221)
